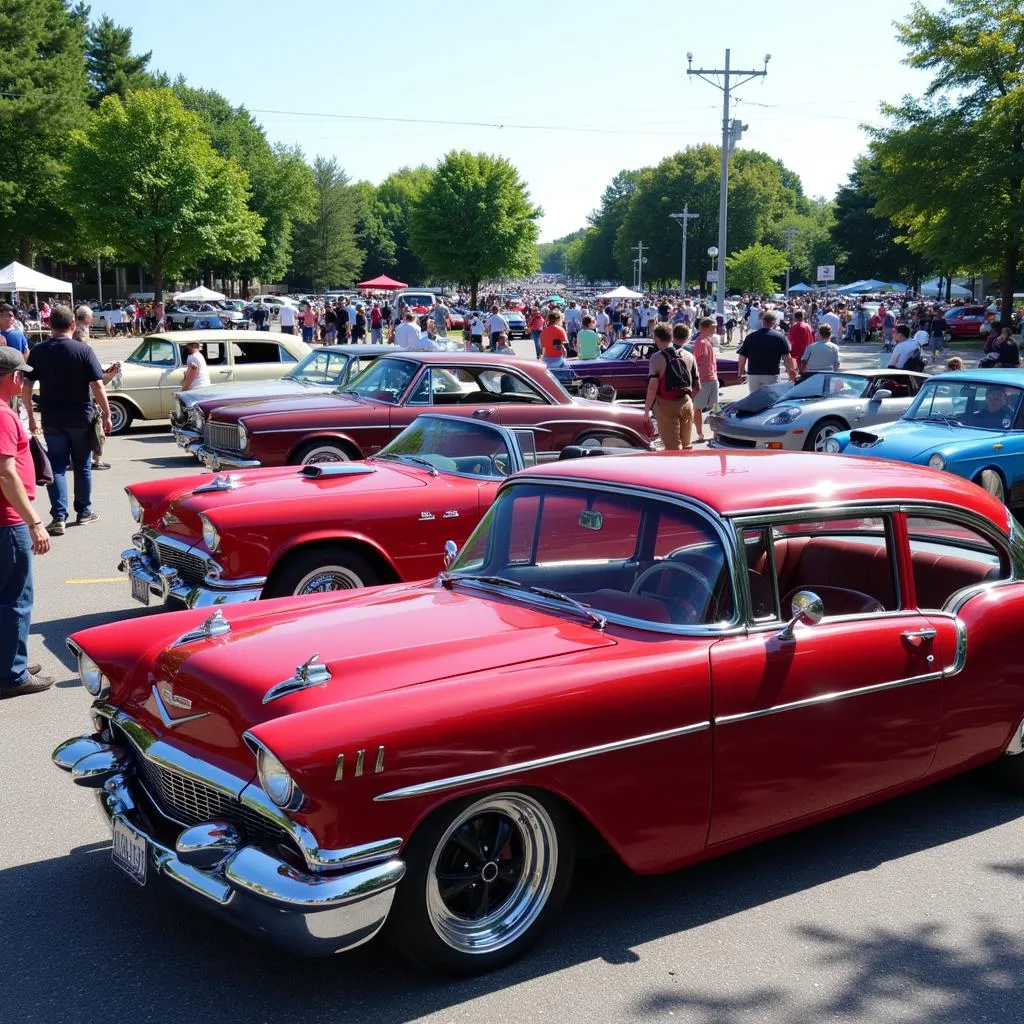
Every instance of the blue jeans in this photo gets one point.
(15, 603)
(535, 335)
(69, 448)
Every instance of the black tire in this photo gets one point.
(318, 452)
(820, 432)
(321, 570)
(590, 389)
(121, 416)
(992, 482)
(1011, 772)
(534, 864)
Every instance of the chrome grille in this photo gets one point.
(222, 436)
(191, 802)
(191, 567)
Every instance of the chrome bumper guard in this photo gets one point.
(165, 583)
(245, 885)
(216, 460)
(190, 440)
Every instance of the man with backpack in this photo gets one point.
(672, 383)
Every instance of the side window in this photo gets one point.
(421, 393)
(160, 353)
(847, 562)
(757, 548)
(947, 557)
(248, 352)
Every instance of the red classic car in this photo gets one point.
(680, 653)
(387, 396)
(624, 366)
(967, 321)
(283, 531)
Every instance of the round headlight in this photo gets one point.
(95, 682)
(832, 446)
(936, 461)
(135, 507)
(275, 780)
(243, 436)
(211, 538)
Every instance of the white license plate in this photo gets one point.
(140, 589)
(129, 851)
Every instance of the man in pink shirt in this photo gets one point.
(800, 336)
(706, 399)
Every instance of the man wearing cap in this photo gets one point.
(21, 534)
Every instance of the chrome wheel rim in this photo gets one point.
(589, 391)
(319, 456)
(990, 482)
(492, 873)
(327, 578)
(822, 436)
(118, 417)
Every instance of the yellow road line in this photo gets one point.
(102, 579)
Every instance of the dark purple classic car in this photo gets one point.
(623, 365)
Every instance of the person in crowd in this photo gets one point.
(554, 342)
(197, 375)
(801, 337)
(376, 323)
(673, 380)
(287, 317)
(21, 535)
(1007, 350)
(496, 324)
(954, 363)
(344, 326)
(71, 388)
(535, 325)
(907, 349)
(604, 324)
(307, 320)
(442, 318)
(12, 334)
(888, 324)
(330, 325)
(588, 341)
(359, 325)
(476, 332)
(834, 322)
(351, 310)
(83, 326)
(261, 317)
(937, 333)
(407, 334)
(996, 414)
(763, 350)
(573, 322)
(503, 345)
(706, 398)
(823, 354)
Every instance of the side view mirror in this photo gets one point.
(451, 552)
(807, 609)
(880, 394)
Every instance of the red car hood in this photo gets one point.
(289, 406)
(371, 641)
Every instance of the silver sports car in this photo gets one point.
(802, 416)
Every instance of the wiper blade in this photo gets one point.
(404, 457)
(346, 391)
(598, 621)
(950, 421)
(450, 579)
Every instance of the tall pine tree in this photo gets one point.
(111, 66)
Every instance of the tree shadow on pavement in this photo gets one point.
(54, 632)
(122, 939)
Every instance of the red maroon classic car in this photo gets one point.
(681, 652)
(312, 529)
(362, 418)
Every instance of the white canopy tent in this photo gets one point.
(200, 294)
(622, 292)
(16, 277)
(932, 290)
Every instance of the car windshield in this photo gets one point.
(833, 385)
(383, 381)
(154, 352)
(320, 367)
(619, 350)
(453, 446)
(983, 404)
(593, 553)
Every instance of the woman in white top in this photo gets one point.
(196, 373)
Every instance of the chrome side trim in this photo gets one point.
(825, 698)
(488, 774)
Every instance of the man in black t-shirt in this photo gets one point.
(70, 380)
(761, 353)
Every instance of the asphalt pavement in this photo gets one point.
(910, 911)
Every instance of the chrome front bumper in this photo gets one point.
(190, 440)
(166, 584)
(216, 460)
(244, 884)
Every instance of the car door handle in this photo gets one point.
(483, 412)
(920, 635)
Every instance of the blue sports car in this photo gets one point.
(969, 422)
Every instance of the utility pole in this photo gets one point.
(789, 233)
(640, 261)
(683, 220)
(731, 130)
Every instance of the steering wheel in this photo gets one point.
(687, 570)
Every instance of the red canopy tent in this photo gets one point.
(382, 284)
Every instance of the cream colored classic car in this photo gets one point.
(151, 376)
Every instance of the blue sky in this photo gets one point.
(615, 69)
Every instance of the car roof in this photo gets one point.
(994, 376)
(352, 350)
(469, 358)
(738, 482)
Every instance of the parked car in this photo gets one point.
(516, 323)
(804, 415)
(206, 316)
(326, 367)
(624, 365)
(151, 376)
(679, 654)
(969, 422)
(388, 395)
(967, 321)
(284, 531)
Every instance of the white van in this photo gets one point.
(413, 297)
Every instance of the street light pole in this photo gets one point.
(726, 85)
(789, 233)
(683, 220)
(639, 250)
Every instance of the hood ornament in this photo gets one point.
(310, 673)
(221, 482)
(216, 625)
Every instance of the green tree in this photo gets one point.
(812, 244)
(757, 269)
(111, 66)
(279, 177)
(596, 256)
(326, 254)
(553, 256)
(475, 221)
(42, 98)
(144, 180)
(372, 235)
(396, 195)
(950, 166)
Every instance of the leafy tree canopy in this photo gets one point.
(757, 269)
(396, 195)
(111, 67)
